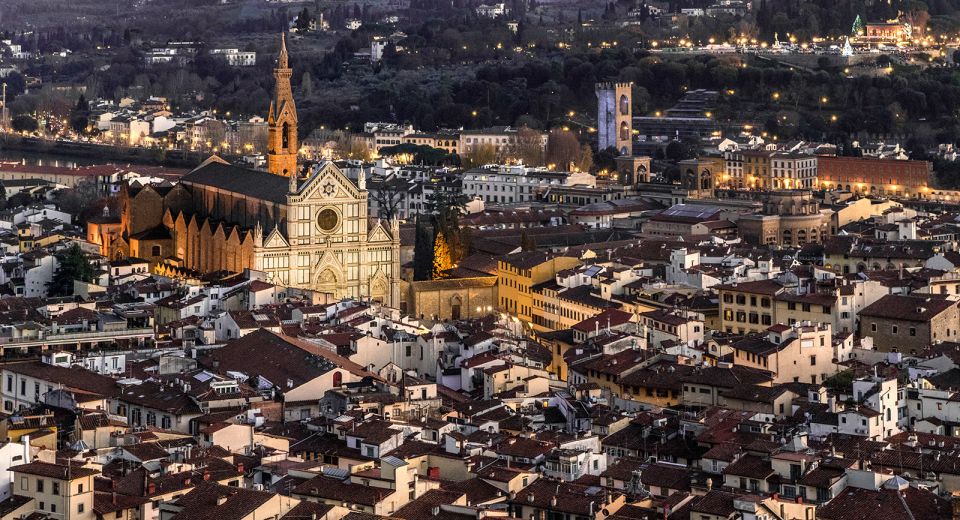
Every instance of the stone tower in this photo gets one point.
(615, 116)
(633, 170)
(282, 145)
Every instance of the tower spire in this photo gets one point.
(283, 60)
(282, 145)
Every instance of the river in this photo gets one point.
(42, 159)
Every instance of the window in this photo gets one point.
(823, 495)
(56, 488)
(813, 361)
(913, 331)
(873, 327)
(40, 485)
(80, 507)
(894, 329)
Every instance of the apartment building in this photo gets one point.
(799, 353)
(518, 273)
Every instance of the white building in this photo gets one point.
(793, 170)
(500, 184)
(492, 11)
(376, 49)
(502, 138)
(236, 57)
(38, 271)
(11, 454)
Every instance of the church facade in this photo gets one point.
(305, 229)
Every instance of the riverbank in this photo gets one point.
(92, 153)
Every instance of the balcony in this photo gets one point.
(75, 337)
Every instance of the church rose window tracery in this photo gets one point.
(328, 219)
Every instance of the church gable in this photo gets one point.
(275, 240)
(328, 183)
(284, 114)
(378, 233)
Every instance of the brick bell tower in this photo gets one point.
(282, 145)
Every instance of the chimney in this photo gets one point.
(26, 449)
(240, 467)
(151, 488)
(221, 500)
(206, 475)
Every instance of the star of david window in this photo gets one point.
(329, 189)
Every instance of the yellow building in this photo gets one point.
(560, 308)
(558, 342)
(748, 306)
(518, 273)
(36, 426)
(657, 385)
(57, 490)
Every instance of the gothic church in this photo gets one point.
(305, 229)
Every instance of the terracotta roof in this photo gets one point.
(331, 488)
(209, 501)
(423, 507)
(750, 466)
(768, 287)
(609, 317)
(279, 359)
(54, 471)
(908, 308)
(890, 504)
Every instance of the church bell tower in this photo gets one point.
(282, 145)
